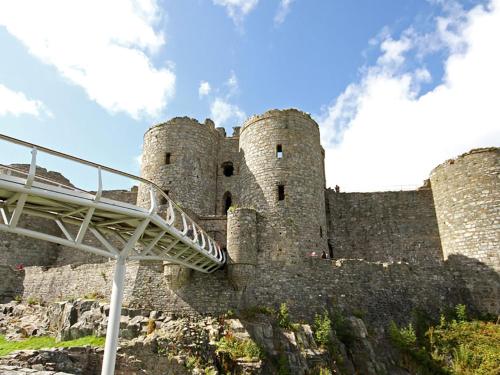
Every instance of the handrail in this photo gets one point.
(192, 236)
(172, 206)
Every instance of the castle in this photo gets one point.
(262, 194)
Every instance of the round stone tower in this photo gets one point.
(180, 156)
(466, 194)
(467, 198)
(282, 178)
(241, 246)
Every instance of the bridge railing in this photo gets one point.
(174, 216)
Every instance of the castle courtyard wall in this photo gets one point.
(384, 226)
(69, 282)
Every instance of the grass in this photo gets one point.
(43, 342)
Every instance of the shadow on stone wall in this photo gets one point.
(11, 284)
(384, 226)
(481, 281)
(176, 289)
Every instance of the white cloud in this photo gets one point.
(16, 103)
(283, 10)
(221, 111)
(204, 89)
(383, 132)
(393, 51)
(237, 9)
(103, 46)
(233, 84)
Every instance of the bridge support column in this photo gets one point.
(112, 333)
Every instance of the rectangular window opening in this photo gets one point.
(279, 151)
(281, 192)
(167, 158)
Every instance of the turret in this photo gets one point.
(282, 178)
(180, 157)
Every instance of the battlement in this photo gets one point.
(441, 239)
(278, 114)
(494, 151)
(189, 121)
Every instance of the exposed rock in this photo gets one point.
(186, 345)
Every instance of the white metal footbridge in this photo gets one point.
(121, 231)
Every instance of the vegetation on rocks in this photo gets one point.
(238, 348)
(456, 345)
(322, 329)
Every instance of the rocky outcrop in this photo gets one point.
(152, 342)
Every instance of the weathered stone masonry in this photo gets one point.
(390, 251)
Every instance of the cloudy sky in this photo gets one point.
(396, 86)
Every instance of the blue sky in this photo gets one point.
(396, 86)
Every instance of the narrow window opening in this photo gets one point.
(227, 169)
(227, 201)
(321, 231)
(281, 192)
(163, 200)
(167, 158)
(279, 151)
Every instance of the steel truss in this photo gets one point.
(119, 230)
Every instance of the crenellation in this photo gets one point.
(261, 193)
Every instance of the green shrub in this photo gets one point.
(191, 362)
(322, 329)
(461, 312)
(459, 346)
(403, 337)
(473, 346)
(33, 301)
(283, 317)
(238, 348)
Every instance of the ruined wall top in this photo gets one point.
(207, 124)
(463, 156)
(276, 113)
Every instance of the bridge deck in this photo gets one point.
(163, 232)
(121, 230)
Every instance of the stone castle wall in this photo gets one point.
(228, 151)
(467, 199)
(189, 174)
(242, 246)
(295, 225)
(70, 281)
(11, 284)
(387, 247)
(384, 227)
